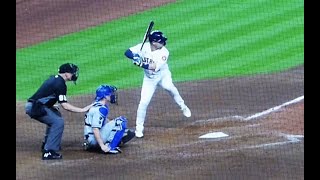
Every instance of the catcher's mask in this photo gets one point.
(70, 68)
(107, 90)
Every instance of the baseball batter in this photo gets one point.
(153, 58)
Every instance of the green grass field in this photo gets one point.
(206, 39)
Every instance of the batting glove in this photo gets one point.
(137, 60)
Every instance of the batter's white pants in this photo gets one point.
(149, 86)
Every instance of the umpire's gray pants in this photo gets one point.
(55, 127)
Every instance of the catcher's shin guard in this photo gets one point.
(117, 132)
(116, 139)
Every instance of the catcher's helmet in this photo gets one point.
(70, 68)
(106, 90)
(157, 36)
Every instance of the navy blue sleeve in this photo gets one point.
(129, 54)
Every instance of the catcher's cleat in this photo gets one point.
(50, 155)
(128, 135)
(116, 150)
(186, 111)
(85, 146)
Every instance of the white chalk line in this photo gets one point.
(238, 117)
(274, 108)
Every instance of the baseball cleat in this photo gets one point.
(186, 111)
(86, 146)
(128, 135)
(139, 134)
(51, 155)
(116, 150)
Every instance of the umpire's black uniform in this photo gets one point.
(40, 106)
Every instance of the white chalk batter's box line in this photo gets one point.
(221, 134)
(290, 138)
(274, 108)
(268, 111)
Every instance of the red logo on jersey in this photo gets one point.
(164, 58)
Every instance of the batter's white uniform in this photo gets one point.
(160, 76)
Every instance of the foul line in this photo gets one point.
(274, 108)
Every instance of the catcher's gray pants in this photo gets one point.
(55, 127)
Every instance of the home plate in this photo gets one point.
(214, 135)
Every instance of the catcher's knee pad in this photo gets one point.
(117, 132)
(121, 121)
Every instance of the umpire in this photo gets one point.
(41, 106)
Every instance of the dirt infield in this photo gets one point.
(270, 146)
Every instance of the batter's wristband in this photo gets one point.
(145, 66)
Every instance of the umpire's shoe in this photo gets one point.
(50, 155)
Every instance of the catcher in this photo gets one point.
(100, 133)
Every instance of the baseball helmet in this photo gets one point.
(158, 36)
(106, 90)
(70, 68)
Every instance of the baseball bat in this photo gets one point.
(146, 35)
